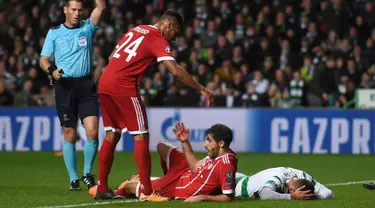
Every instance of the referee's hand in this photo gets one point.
(57, 74)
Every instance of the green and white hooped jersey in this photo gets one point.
(275, 178)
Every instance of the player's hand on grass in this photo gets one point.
(301, 195)
(57, 74)
(210, 96)
(198, 198)
(180, 131)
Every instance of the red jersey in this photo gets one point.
(137, 50)
(212, 177)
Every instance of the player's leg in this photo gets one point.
(136, 123)
(68, 119)
(105, 158)
(143, 160)
(128, 190)
(88, 110)
(91, 124)
(164, 150)
(70, 156)
(165, 187)
(106, 153)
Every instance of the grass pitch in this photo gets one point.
(39, 179)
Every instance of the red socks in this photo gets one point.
(143, 159)
(105, 158)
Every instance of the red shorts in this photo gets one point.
(177, 166)
(122, 114)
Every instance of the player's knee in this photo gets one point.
(163, 148)
(112, 136)
(141, 137)
(92, 133)
(70, 134)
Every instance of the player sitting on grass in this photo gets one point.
(280, 183)
(188, 178)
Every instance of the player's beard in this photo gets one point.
(211, 154)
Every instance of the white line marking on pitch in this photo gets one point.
(93, 204)
(134, 200)
(347, 183)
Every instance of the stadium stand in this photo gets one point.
(259, 53)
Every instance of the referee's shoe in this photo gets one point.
(74, 185)
(89, 180)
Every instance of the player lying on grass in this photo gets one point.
(188, 178)
(271, 184)
(280, 183)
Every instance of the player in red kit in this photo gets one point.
(120, 102)
(188, 178)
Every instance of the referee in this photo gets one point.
(76, 93)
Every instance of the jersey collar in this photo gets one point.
(71, 28)
(155, 28)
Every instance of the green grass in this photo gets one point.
(36, 179)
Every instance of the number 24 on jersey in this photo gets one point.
(131, 48)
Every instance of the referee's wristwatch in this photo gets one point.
(51, 69)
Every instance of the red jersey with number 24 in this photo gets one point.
(139, 48)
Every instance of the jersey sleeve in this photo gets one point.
(269, 194)
(322, 192)
(161, 50)
(91, 27)
(227, 175)
(274, 183)
(48, 46)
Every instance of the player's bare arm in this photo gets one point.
(50, 69)
(183, 135)
(215, 198)
(183, 76)
(97, 13)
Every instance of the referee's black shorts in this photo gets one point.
(76, 98)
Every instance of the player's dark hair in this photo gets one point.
(66, 2)
(176, 16)
(221, 132)
(304, 182)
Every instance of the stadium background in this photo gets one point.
(247, 52)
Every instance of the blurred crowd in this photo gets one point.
(251, 53)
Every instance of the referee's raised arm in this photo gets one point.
(76, 96)
(97, 13)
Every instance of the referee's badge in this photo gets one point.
(82, 41)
